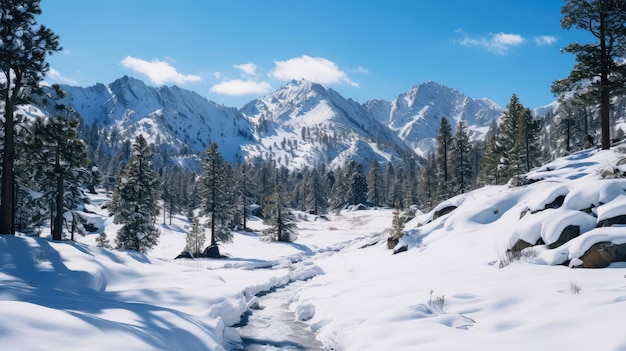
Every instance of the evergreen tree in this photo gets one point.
(135, 201)
(196, 237)
(397, 224)
(600, 68)
(215, 183)
(102, 241)
(317, 199)
(444, 143)
(389, 177)
(428, 185)
(375, 184)
(462, 174)
(25, 45)
(490, 168)
(508, 134)
(526, 149)
(357, 183)
(279, 217)
(243, 195)
(53, 163)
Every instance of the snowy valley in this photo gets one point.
(454, 287)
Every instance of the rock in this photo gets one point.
(444, 211)
(601, 254)
(569, 233)
(401, 249)
(212, 252)
(520, 245)
(612, 221)
(184, 254)
(392, 242)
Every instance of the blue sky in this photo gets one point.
(234, 51)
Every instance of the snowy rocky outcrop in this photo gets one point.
(573, 213)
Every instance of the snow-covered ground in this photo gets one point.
(446, 292)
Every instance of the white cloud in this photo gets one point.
(57, 76)
(159, 72)
(238, 87)
(247, 68)
(545, 40)
(360, 70)
(498, 43)
(315, 69)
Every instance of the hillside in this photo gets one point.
(301, 124)
(454, 286)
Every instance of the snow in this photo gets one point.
(338, 283)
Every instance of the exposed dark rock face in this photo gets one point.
(444, 211)
(601, 254)
(569, 233)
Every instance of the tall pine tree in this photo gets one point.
(215, 184)
(279, 217)
(461, 156)
(135, 200)
(25, 45)
(375, 184)
(600, 68)
(444, 143)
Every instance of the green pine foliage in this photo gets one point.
(600, 70)
(317, 196)
(215, 184)
(444, 144)
(375, 184)
(135, 201)
(195, 238)
(461, 157)
(278, 216)
(25, 45)
(46, 140)
(397, 223)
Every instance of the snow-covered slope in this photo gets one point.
(177, 120)
(448, 291)
(300, 124)
(305, 124)
(416, 114)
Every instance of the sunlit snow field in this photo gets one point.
(447, 292)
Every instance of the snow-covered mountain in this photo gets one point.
(300, 124)
(305, 124)
(416, 114)
(178, 121)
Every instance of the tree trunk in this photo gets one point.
(6, 198)
(604, 86)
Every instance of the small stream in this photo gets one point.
(272, 326)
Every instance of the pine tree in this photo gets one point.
(25, 45)
(397, 224)
(375, 184)
(135, 201)
(600, 67)
(357, 183)
(53, 163)
(279, 217)
(444, 143)
(103, 241)
(525, 152)
(508, 134)
(490, 168)
(215, 183)
(462, 174)
(428, 185)
(317, 199)
(243, 195)
(196, 237)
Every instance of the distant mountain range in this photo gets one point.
(300, 124)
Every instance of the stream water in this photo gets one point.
(272, 326)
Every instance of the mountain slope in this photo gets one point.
(415, 115)
(305, 124)
(179, 121)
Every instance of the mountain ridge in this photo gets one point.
(301, 124)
